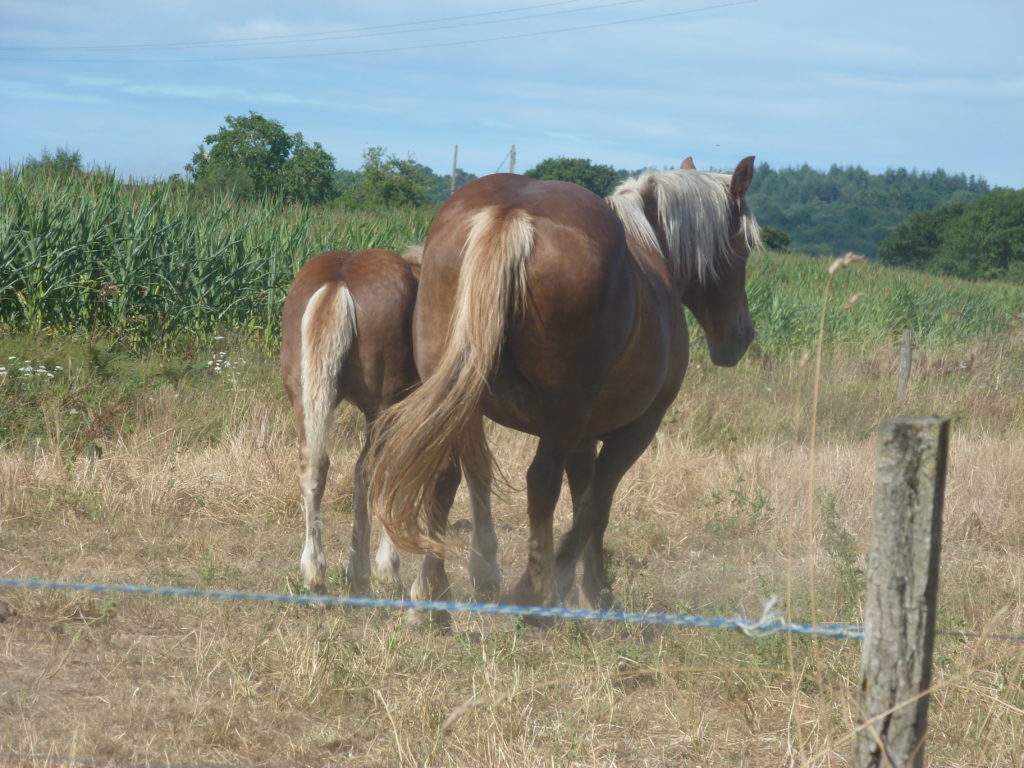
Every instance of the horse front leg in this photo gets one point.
(579, 469)
(619, 452)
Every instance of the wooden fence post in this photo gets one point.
(906, 353)
(903, 582)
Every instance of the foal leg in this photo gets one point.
(432, 581)
(358, 570)
(620, 451)
(543, 485)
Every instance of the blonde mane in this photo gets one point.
(694, 210)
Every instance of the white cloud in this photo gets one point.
(95, 82)
(268, 27)
(16, 90)
(195, 91)
(916, 85)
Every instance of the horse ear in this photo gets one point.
(741, 178)
(687, 165)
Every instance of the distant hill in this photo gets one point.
(848, 208)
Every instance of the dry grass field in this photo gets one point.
(194, 484)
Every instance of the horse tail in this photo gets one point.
(415, 437)
(327, 333)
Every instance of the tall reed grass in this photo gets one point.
(159, 264)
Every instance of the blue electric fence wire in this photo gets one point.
(768, 623)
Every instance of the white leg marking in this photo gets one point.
(327, 334)
(386, 563)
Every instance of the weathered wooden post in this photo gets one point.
(903, 583)
(903, 378)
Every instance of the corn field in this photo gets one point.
(159, 264)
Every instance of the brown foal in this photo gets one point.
(347, 335)
(557, 313)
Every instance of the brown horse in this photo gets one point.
(347, 335)
(557, 313)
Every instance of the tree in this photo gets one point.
(308, 175)
(63, 161)
(982, 239)
(254, 155)
(775, 239)
(987, 240)
(443, 185)
(916, 241)
(386, 180)
(599, 179)
(847, 208)
(226, 179)
(344, 182)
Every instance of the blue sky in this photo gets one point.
(880, 84)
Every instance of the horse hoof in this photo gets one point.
(487, 590)
(388, 585)
(357, 575)
(525, 596)
(602, 599)
(315, 585)
(359, 587)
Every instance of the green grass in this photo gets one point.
(785, 291)
(158, 265)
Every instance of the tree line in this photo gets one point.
(937, 221)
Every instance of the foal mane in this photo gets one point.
(694, 213)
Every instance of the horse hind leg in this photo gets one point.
(313, 561)
(327, 331)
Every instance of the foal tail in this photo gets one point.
(327, 332)
(415, 437)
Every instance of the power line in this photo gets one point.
(329, 37)
(502, 163)
(292, 36)
(403, 48)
